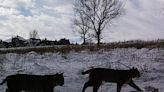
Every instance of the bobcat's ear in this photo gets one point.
(57, 73)
(134, 68)
(62, 73)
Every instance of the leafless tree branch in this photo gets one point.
(99, 13)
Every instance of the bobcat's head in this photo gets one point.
(135, 72)
(58, 79)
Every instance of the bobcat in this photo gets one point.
(98, 75)
(43, 83)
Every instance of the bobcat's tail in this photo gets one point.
(3, 81)
(86, 72)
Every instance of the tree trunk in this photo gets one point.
(84, 40)
(98, 38)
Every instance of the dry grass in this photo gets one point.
(77, 48)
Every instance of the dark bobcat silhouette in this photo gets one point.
(97, 75)
(43, 83)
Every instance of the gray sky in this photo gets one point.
(143, 19)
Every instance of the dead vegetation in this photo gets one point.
(91, 47)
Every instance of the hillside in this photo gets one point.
(150, 62)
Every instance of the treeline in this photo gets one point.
(31, 42)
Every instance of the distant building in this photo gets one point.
(21, 42)
(47, 43)
(18, 42)
(2, 45)
(33, 42)
(13, 42)
(64, 42)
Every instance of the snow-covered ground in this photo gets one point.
(150, 62)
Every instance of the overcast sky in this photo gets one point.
(143, 19)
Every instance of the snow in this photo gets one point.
(150, 63)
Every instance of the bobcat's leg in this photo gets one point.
(96, 87)
(87, 84)
(13, 90)
(7, 90)
(119, 86)
(132, 84)
(48, 90)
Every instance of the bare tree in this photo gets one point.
(34, 34)
(99, 13)
(81, 23)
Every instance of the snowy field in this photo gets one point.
(150, 62)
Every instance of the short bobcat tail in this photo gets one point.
(3, 81)
(86, 72)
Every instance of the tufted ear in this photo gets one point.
(134, 68)
(62, 73)
(57, 73)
